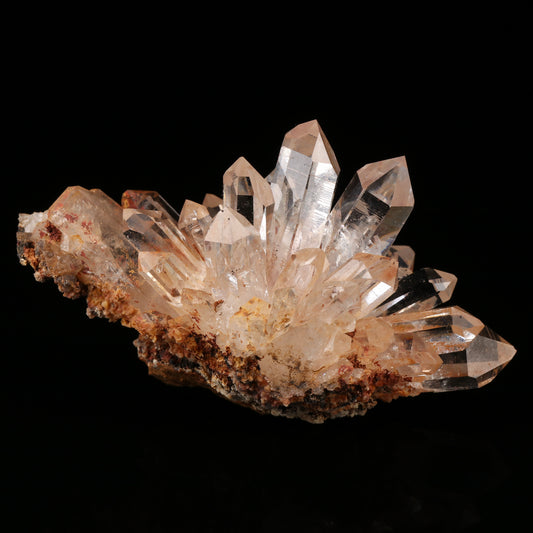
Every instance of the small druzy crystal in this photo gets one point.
(268, 295)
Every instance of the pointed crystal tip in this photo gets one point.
(241, 167)
(309, 139)
(471, 353)
(389, 171)
(248, 193)
(191, 211)
(213, 203)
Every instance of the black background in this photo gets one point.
(92, 443)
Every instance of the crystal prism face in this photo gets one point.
(269, 295)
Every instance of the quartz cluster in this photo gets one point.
(269, 295)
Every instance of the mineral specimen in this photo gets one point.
(268, 295)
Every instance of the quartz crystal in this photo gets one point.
(271, 296)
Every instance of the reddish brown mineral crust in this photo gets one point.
(53, 232)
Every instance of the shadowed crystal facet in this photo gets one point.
(424, 289)
(405, 256)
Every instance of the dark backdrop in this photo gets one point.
(92, 443)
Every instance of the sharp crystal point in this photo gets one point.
(213, 203)
(194, 221)
(471, 354)
(303, 184)
(424, 289)
(192, 212)
(405, 256)
(149, 200)
(370, 213)
(268, 295)
(248, 193)
(309, 140)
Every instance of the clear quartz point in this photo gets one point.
(405, 256)
(471, 353)
(248, 193)
(213, 203)
(424, 289)
(371, 211)
(193, 222)
(303, 184)
(149, 200)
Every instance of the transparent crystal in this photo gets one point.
(248, 193)
(193, 222)
(297, 282)
(353, 290)
(405, 256)
(371, 211)
(471, 353)
(235, 258)
(303, 184)
(424, 289)
(166, 258)
(213, 204)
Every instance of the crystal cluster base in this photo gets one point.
(271, 296)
